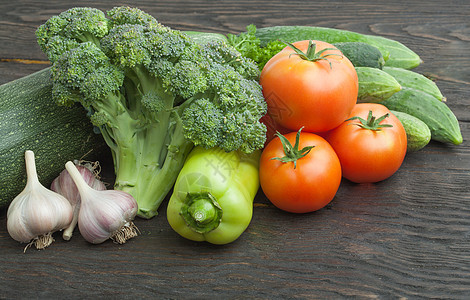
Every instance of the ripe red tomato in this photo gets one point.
(368, 155)
(305, 185)
(318, 95)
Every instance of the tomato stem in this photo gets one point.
(311, 55)
(372, 123)
(292, 153)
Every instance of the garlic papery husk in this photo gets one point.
(105, 214)
(37, 212)
(65, 186)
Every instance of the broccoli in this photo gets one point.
(153, 92)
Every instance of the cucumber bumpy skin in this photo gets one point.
(418, 134)
(375, 85)
(436, 114)
(362, 54)
(395, 53)
(411, 79)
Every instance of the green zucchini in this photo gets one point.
(362, 54)
(411, 79)
(30, 120)
(436, 114)
(418, 133)
(375, 85)
(395, 53)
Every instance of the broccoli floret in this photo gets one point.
(68, 29)
(153, 92)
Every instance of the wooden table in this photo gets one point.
(405, 237)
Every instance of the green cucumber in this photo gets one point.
(31, 120)
(418, 133)
(411, 79)
(436, 114)
(395, 53)
(375, 85)
(205, 37)
(362, 54)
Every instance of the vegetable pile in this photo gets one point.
(206, 119)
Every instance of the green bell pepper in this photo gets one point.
(213, 196)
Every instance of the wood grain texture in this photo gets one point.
(406, 237)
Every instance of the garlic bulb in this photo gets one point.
(65, 186)
(105, 214)
(37, 212)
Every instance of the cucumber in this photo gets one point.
(411, 79)
(205, 37)
(31, 120)
(418, 133)
(436, 114)
(362, 54)
(375, 85)
(395, 53)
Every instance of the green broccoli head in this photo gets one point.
(125, 15)
(127, 46)
(221, 52)
(65, 31)
(229, 118)
(157, 69)
(87, 73)
(153, 92)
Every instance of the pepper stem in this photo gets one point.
(292, 152)
(201, 212)
(372, 123)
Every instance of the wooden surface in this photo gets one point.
(406, 237)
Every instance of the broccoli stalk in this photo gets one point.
(153, 93)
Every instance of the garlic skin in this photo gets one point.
(37, 212)
(104, 214)
(65, 186)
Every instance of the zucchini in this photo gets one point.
(362, 54)
(418, 133)
(411, 79)
(436, 114)
(395, 53)
(375, 85)
(30, 120)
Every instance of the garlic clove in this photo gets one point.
(65, 186)
(104, 214)
(37, 212)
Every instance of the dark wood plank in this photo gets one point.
(405, 237)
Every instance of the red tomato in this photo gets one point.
(318, 95)
(369, 155)
(306, 185)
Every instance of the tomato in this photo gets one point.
(369, 155)
(303, 184)
(317, 94)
